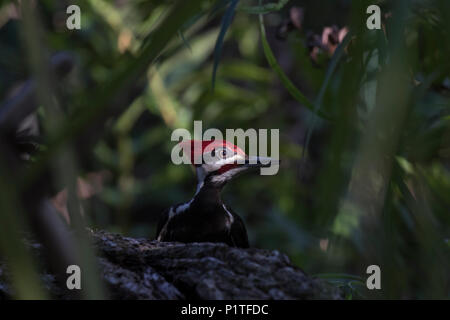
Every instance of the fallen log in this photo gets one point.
(146, 269)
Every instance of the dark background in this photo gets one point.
(365, 181)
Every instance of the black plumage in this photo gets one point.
(203, 219)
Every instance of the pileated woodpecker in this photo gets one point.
(205, 218)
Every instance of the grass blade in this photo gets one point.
(226, 22)
(185, 42)
(318, 103)
(220, 4)
(287, 83)
(24, 277)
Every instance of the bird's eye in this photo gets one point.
(213, 153)
(224, 153)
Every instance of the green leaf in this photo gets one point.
(287, 83)
(226, 22)
(331, 68)
(129, 72)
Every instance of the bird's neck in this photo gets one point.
(207, 193)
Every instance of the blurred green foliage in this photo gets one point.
(364, 179)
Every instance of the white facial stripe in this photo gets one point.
(230, 216)
(227, 175)
(179, 209)
(199, 186)
(183, 207)
(237, 158)
(201, 173)
(213, 166)
(164, 229)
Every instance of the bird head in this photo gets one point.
(219, 161)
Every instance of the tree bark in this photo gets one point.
(146, 269)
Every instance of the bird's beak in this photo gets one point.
(258, 162)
